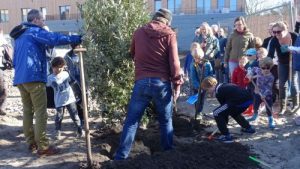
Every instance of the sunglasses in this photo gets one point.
(250, 55)
(265, 68)
(238, 24)
(277, 32)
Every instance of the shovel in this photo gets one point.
(267, 105)
(210, 137)
(192, 99)
(84, 103)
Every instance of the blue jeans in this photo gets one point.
(144, 91)
(283, 75)
(72, 109)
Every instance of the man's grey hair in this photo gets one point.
(33, 14)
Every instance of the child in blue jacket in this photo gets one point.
(187, 65)
(200, 68)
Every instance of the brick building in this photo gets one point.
(13, 12)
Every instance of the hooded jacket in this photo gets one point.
(233, 95)
(29, 59)
(199, 72)
(212, 47)
(155, 54)
(237, 44)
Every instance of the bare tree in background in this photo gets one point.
(254, 6)
(262, 13)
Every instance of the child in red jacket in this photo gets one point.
(239, 73)
(239, 78)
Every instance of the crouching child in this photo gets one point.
(233, 102)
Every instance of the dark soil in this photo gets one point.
(192, 149)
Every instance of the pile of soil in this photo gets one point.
(192, 149)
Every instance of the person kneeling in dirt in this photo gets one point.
(63, 95)
(233, 102)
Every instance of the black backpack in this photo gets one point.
(7, 56)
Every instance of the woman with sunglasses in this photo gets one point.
(283, 38)
(238, 42)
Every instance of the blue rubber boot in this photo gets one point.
(271, 122)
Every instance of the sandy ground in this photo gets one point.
(14, 150)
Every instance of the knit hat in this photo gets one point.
(165, 13)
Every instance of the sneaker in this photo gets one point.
(250, 130)
(253, 118)
(51, 150)
(58, 135)
(225, 138)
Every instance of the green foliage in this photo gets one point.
(109, 25)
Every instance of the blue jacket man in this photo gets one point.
(29, 61)
(33, 43)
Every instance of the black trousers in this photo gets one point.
(222, 113)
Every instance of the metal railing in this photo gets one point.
(198, 11)
(73, 16)
(258, 22)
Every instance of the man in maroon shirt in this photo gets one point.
(157, 73)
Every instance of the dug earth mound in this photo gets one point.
(192, 149)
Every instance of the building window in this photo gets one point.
(4, 15)
(200, 6)
(157, 5)
(64, 12)
(221, 4)
(24, 12)
(203, 6)
(44, 12)
(174, 6)
(233, 5)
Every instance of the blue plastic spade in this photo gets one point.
(192, 99)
